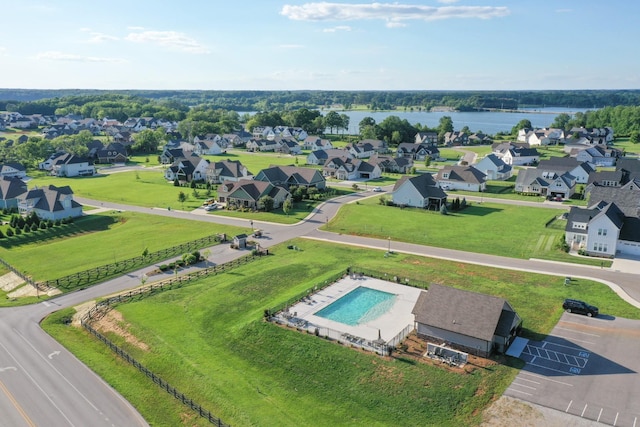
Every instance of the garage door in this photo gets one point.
(628, 248)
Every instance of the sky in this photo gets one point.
(332, 45)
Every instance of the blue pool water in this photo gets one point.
(361, 305)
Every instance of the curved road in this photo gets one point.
(43, 384)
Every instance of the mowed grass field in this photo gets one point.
(495, 229)
(99, 239)
(208, 340)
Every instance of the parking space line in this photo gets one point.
(583, 410)
(578, 332)
(564, 345)
(573, 339)
(523, 392)
(551, 369)
(525, 386)
(635, 419)
(531, 381)
(599, 415)
(616, 420)
(567, 410)
(545, 378)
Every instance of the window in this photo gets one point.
(602, 231)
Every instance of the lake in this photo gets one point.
(489, 122)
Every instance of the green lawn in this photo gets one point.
(208, 340)
(146, 188)
(495, 229)
(298, 213)
(100, 239)
(255, 162)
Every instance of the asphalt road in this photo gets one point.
(43, 384)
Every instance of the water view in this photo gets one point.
(488, 122)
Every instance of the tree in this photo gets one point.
(332, 120)
(522, 124)
(345, 122)
(561, 121)
(266, 203)
(182, 198)
(365, 123)
(287, 205)
(634, 137)
(148, 140)
(445, 125)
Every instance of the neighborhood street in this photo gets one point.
(43, 384)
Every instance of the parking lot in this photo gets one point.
(587, 367)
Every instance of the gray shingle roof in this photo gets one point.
(463, 312)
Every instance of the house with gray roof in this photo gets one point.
(11, 187)
(320, 157)
(541, 182)
(13, 169)
(494, 167)
(345, 168)
(392, 164)
(286, 176)
(226, 170)
(50, 202)
(476, 323)
(579, 169)
(603, 230)
(70, 165)
(466, 178)
(247, 193)
(420, 191)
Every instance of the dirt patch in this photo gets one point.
(113, 322)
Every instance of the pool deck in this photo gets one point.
(387, 326)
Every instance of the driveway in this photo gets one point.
(587, 367)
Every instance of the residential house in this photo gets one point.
(114, 152)
(417, 151)
(469, 321)
(594, 136)
(466, 178)
(320, 157)
(392, 164)
(189, 168)
(420, 191)
(479, 138)
(262, 145)
(361, 150)
(234, 139)
(429, 138)
(626, 196)
(211, 147)
(263, 132)
(597, 155)
(11, 187)
(314, 143)
(69, 165)
(170, 155)
(288, 145)
(345, 168)
(50, 202)
(13, 169)
(603, 230)
(494, 168)
(286, 176)
(545, 183)
(544, 136)
(580, 170)
(520, 156)
(226, 170)
(247, 193)
(456, 138)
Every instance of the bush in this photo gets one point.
(9, 232)
(34, 227)
(44, 225)
(18, 232)
(163, 267)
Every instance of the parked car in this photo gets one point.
(579, 307)
(377, 189)
(211, 207)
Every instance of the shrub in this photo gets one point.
(44, 225)
(34, 227)
(163, 267)
(1, 235)
(18, 231)
(9, 232)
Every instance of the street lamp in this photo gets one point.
(389, 248)
(251, 223)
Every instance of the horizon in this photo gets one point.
(285, 45)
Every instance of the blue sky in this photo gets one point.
(341, 45)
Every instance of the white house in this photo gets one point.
(420, 191)
(545, 183)
(189, 168)
(316, 143)
(350, 169)
(50, 202)
(580, 170)
(10, 189)
(70, 165)
(520, 156)
(599, 231)
(13, 169)
(208, 147)
(494, 167)
(466, 178)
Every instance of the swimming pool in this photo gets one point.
(361, 305)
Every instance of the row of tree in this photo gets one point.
(293, 100)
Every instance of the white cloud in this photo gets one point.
(447, 1)
(169, 39)
(3, 50)
(53, 55)
(395, 24)
(337, 28)
(393, 13)
(100, 38)
(290, 46)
